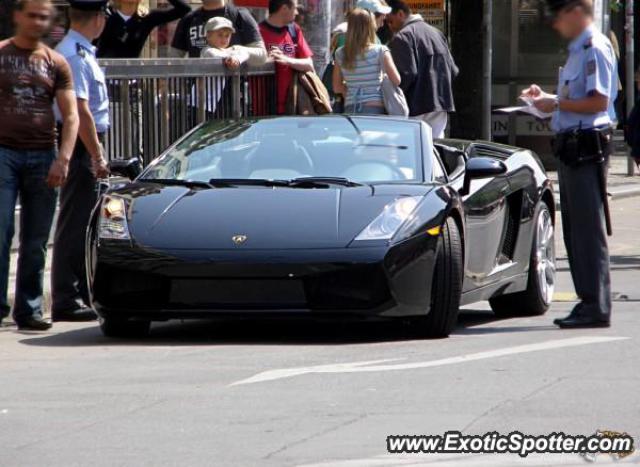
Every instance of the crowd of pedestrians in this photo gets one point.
(416, 58)
(54, 108)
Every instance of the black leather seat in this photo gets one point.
(453, 159)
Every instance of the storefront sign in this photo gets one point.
(432, 11)
(525, 126)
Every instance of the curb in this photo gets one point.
(613, 196)
(626, 193)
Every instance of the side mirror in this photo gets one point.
(128, 168)
(481, 167)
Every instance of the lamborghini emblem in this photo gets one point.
(239, 239)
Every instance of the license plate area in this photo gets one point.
(243, 293)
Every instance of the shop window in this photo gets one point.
(540, 50)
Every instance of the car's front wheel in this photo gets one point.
(122, 327)
(447, 285)
(537, 298)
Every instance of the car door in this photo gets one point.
(485, 218)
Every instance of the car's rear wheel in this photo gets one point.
(537, 297)
(122, 327)
(447, 285)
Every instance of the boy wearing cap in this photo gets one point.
(190, 35)
(219, 31)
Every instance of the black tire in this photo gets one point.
(532, 301)
(447, 285)
(119, 327)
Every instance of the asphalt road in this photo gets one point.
(309, 394)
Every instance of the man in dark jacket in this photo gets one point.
(424, 61)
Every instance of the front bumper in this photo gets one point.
(363, 282)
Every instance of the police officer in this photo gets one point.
(583, 116)
(79, 195)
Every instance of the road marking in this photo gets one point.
(454, 460)
(385, 365)
(290, 372)
(565, 297)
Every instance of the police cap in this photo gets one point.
(555, 6)
(89, 5)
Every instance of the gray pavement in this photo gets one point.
(303, 394)
(619, 184)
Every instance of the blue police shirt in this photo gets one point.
(88, 78)
(591, 66)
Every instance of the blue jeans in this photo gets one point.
(364, 109)
(24, 173)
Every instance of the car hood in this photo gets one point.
(169, 217)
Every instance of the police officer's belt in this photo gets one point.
(580, 146)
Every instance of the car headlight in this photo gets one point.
(389, 221)
(113, 219)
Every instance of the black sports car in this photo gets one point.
(363, 217)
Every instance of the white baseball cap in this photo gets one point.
(217, 23)
(374, 6)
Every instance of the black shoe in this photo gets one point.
(34, 324)
(4, 314)
(79, 314)
(574, 314)
(581, 321)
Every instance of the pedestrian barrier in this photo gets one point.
(155, 101)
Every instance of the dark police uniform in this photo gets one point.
(79, 194)
(583, 145)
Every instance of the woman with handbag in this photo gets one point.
(361, 66)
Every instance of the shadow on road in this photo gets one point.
(241, 332)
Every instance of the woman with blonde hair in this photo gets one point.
(360, 66)
(130, 24)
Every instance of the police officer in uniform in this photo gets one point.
(583, 117)
(79, 195)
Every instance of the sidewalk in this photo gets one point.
(619, 185)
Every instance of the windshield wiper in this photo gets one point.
(230, 182)
(177, 182)
(321, 182)
(389, 146)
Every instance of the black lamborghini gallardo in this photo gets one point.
(325, 217)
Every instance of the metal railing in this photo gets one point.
(155, 101)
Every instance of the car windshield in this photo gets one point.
(345, 149)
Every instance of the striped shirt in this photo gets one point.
(365, 79)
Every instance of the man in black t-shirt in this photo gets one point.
(190, 37)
